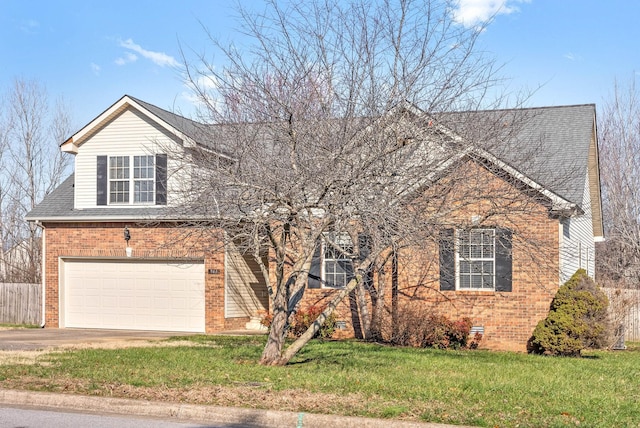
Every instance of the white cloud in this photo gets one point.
(202, 91)
(29, 26)
(572, 57)
(159, 58)
(95, 68)
(207, 82)
(473, 12)
(128, 57)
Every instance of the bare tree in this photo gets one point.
(32, 166)
(619, 129)
(618, 262)
(3, 147)
(324, 137)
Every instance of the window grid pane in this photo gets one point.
(476, 258)
(119, 192)
(119, 179)
(338, 269)
(125, 172)
(143, 179)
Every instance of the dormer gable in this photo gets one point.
(73, 143)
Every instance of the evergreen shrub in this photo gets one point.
(577, 320)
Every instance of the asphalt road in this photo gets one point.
(22, 409)
(36, 418)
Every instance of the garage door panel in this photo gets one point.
(128, 294)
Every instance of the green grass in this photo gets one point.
(459, 387)
(18, 326)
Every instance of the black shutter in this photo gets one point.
(447, 260)
(102, 181)
(315, 270)
(364, 246)
(161, 179)
(503, 260)
(364, 249)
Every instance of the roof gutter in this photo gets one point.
(116, 219)
(559, 205)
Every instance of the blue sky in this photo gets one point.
(91, 53)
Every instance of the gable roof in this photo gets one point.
(187, 130)
(549, 145)
(562, 139)
(565, 134)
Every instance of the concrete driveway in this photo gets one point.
(30, 339)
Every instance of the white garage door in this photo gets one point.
(134, 295)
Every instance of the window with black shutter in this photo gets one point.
(332, 264)
(137, 180)
(476, 259)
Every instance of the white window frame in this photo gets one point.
(344, 241)
(130, 180)
(481, 261)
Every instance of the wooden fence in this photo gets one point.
(624, 306)
(20, 303)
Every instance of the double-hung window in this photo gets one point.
(131, 174)
(143, 179)
(476, 258)
(337, 266)
(332, 261)
(131, 180)
(119, 179)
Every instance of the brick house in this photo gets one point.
(116, 256)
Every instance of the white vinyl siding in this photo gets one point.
(129, 134)
(245, 288)
(577, 248)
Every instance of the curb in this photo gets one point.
(232, 416)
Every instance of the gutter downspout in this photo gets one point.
(43, 272)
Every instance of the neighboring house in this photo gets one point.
(168, 276)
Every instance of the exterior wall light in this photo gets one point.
(127, 236)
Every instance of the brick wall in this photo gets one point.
(161, 241)
(508, 318)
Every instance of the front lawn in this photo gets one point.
(493, 389)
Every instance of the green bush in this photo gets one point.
(577, 319)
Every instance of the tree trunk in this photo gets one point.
(277, 331)
(2, 244)
(378, 310)
(394, 293)
(300, 342)
(282, 309)
(365, 316)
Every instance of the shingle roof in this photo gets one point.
(563, 135)
(550, 146)
(58, 205)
